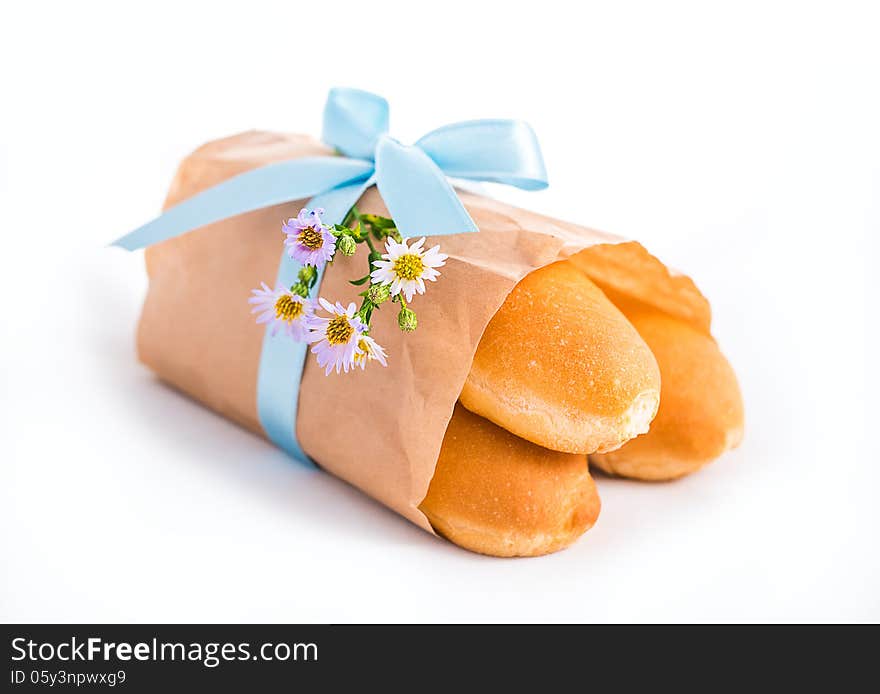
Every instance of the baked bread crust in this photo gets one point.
(559, 365)
(701, 409)
(496, 494)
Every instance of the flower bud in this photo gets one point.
(300, 289)
(307, 273)
(407, 320)
(346, 245)
(378, 293)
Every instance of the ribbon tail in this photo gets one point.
(263, 187)
(419, 198)
(282, 360)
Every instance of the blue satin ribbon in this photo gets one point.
(412, 180)
(282, 360)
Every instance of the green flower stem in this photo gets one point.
(352, 215)
(367, 225)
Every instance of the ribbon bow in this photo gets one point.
(413, 184)
(410, 178)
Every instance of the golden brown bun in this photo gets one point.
(559, 365)
(701, 410)
(628, 269)
(496, 494)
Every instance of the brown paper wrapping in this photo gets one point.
(197, 332)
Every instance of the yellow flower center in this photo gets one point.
(363, 354)
(409, 266)
(339, 330)
(310, 238)
(287, 308)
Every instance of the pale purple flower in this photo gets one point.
(283, 310)
(308, 240)
(405, 268)
(369, 350)
(336, 337)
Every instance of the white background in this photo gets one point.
(739, 141)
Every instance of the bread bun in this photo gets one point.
(559, 365)
(496, 494)
(701, 410)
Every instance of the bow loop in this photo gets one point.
(500, 151)
(354, 120)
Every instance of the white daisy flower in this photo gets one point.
(283, 310)
(368, 350)
(337, 338)
(406, 268)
